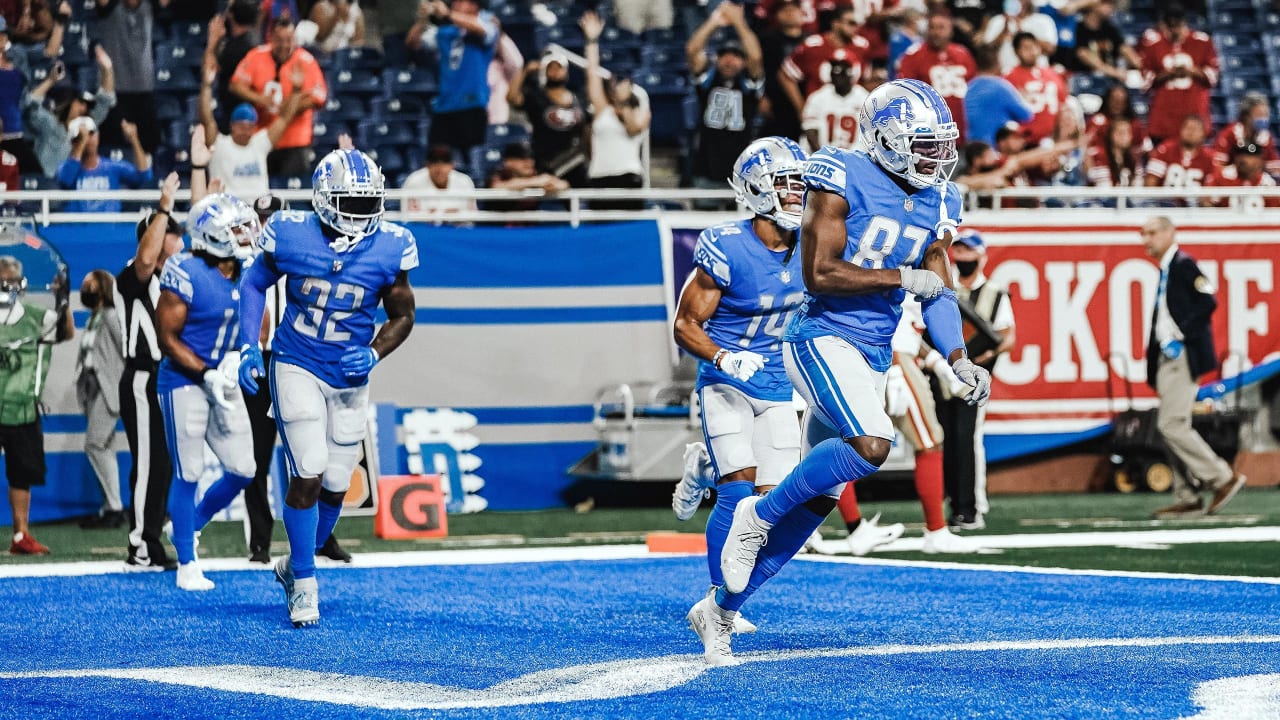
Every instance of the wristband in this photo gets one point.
(199, 167)
(715, 359)
(162, 211)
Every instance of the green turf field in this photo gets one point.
(1011, 515)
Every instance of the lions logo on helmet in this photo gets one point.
(907, 129)
(766, 174)
(224, 226)
(347, 194)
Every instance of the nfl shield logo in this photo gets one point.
(785, 276)
(337, 265)
(909, 205)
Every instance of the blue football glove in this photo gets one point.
(251, 368)
(358, 361)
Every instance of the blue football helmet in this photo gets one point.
(769, 170)
(908, 130)
(224, 226)
(348, 195)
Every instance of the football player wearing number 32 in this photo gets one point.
(732, 311)
(339, 262)
(877, 224)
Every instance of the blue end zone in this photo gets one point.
(880, 641)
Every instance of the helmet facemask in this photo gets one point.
(768, 179)
(355, 215)
(224, 227)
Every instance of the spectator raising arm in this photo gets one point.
(141, 160)
(695, 51)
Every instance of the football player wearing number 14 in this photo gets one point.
(731, 315)
(877, 224)
(339, 262)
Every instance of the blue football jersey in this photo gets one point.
(213, 314)
(886, 228)
(759, 289)
(331, 298)
(464, 65)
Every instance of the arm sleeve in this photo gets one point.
(708, 255)
(1018, 107)
(253, 296)
(68, 171)
(942, 318)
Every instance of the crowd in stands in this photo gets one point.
(452, 95)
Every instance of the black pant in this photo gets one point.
(959, 422)
(257, 499)
(460, 129)
(624, 182)
(290, 162)
(151, 470)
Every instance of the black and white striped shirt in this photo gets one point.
(136, 303)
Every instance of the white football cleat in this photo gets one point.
(747, 535)
(714, 626)
(943, 541)
(868, 535)
(743, 626)
(190, 578)
(302, 596)
(693, 486)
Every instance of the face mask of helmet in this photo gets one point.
(357, 215)
(933, 160)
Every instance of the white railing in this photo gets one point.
(1248, 201)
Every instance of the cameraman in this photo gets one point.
(27, 332)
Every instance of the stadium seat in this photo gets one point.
(482, 163)
(1237, 41)
(1231, 20)
(373, 133)
(191, 35)
(177, 134)
(355, 82)
(1088, 83)
(397, 109)
(176, 80)
(662, 57)
(503, 134)
(389, 158)
(419, 83)
(288, 182)
(168, 108)
(1241, 84)
(325, 133)
(346, 107)
(566, 37)
(75, 51)
(663, 83)
(357, 58)
(171, 54)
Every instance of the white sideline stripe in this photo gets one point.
(578, 683)
(1099, 539)
(539, 297)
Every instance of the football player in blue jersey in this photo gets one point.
(197, 327)
(732, 311)
(877, 225)
(339, 262)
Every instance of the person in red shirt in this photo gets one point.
(766, 10)
(1114, 163)
(1252, 126)
(1042, 87)
(1245, 170)
(1183, 161)
(9, 180)
(945, 65)
(1181, 65)
(808, 68)
(1117, 104)
(265, 78)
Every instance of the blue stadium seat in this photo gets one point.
(482, 162)
(171, 54)
(389, 158)
(567, 37)
(168, 108)
(663, 83)
(177, 134)
(502, 134)
(355, 82)
(176, 80)
(399, 109)
(75, 51)
(1237, 42)
(1241, 84)
(662, 57)
(191, 35)
(420, 83)
(356, 58)
(1232, 19)
(86, 77)
(1088, 83)
(618, 58)
(325, 133)
(373, 133)
(346, 107)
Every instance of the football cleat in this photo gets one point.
(693, 485)
(714, 626)
(943, 541)
(190, 578)
(747, 535)
(868, 535)
(302, 596)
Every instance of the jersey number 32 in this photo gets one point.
(318, 320)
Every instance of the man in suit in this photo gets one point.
(1179, 351)
(99, 367)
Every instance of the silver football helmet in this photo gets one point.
(348, 195)
(908, 130)
(766, 172)
(224, 226)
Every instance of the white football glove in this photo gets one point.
(948, 384)
(925, 284)
(741, 365)
(976, 377)
(897, 394)
(219, 387)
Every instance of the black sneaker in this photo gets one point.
(260, 556)
(967, 522)
(332, 550)
(136, 564)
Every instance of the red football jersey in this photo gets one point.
(1046, 92)
(1100, 174)
(810, 64)
(1175, 98)
(948, 71)
(1174, 166)
(1232, 136)
(1227, 177)
(9, 180)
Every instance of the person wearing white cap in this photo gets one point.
(557, 115)
(87, 170)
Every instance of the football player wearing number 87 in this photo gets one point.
(338, 262)
(732, 311)
(877, 224)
